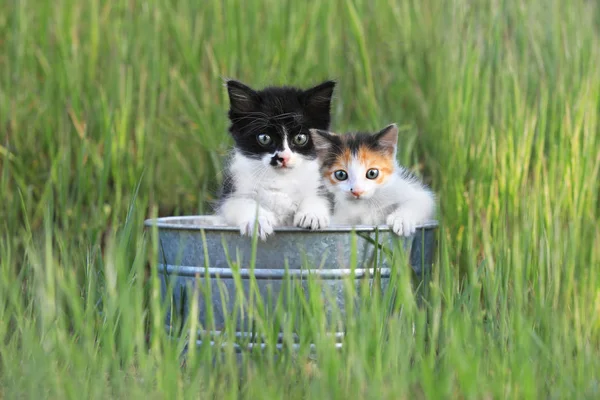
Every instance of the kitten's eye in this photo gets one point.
(372, 173)
(300, 139)
(264, 139)
(340, 175)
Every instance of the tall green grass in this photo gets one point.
(114, 111)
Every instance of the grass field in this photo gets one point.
(115, 111)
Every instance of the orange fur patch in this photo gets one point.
(342, 162)
(374, 159)
(368, 158)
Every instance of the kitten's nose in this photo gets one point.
(356, 193)
(284, 157)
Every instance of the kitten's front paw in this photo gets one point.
(265, 224)
(402, 224)
(311, 220)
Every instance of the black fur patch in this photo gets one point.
(354, 141)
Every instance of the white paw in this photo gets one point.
(402, 224)
(264, 228)
(311, 220)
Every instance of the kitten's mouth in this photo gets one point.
(359, 196)
(283, 167)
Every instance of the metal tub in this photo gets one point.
(200, 252)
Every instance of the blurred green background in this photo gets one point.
(115, 111)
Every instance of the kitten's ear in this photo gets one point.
(322, 140)
(318, 98)
(241, 97)
(388, 138)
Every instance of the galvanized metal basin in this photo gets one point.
(201, 251)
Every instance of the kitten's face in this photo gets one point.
(355, 165)
(272, 125)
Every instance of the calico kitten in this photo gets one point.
(273, 176)
(369, 186)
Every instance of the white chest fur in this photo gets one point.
(400, 203)
(280, 191)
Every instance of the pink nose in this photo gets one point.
(357, 193)
(284, 157)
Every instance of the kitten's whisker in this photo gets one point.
(258, 172)
(285, 115)
(257, 176)
(257, 126)
(252, 118)
(255, 113)
(378, 207)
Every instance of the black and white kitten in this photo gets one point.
(273, 175)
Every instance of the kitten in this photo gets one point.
(368, 185)
(272, 177)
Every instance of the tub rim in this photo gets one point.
(168, 223)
